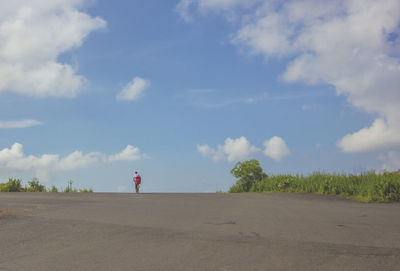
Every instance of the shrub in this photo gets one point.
(236, 189)
(34, 186)
(69, 189)
(90, 190)
(248, 173)
(13, 185)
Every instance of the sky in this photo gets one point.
(181, 90)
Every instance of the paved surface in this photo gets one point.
(56, 231)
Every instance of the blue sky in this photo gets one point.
(182, 90)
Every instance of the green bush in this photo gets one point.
(34, 186)
(236, 189)
(13, 185)
(69, 189)
(53, 189)
(90, 190)
(248, 173)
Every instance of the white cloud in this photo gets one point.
(216, 155)
(134, 89)
(130, 153)
(276, 148)
(232, 150)
(14, 159)
(238, 149)
(77, 160)
(19, 124)
(33, 34)
(353, 45)
(379, 137)
(391, 161)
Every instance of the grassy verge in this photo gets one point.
(367, 187)
(16, 185)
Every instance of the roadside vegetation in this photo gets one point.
(366, 187)
(16, 185)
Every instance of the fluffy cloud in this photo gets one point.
(353, 45)
(240, 149)
(276, 148)
(33, 34)
(232, 150)
(77, 160)
(19, 124)
(380, 136)
(133, 90)
(130, 153)
(15, 159)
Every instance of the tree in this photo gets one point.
(248, 173)
(35, 186)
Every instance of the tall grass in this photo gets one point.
(368, 187)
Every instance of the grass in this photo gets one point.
(367, 187)
(16, 185)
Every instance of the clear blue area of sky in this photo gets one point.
(199, 84)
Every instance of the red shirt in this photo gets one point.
(137, 179)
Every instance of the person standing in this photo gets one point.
(138, 180)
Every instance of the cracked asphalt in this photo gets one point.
(100, 231)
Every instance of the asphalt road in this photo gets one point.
(90, 231)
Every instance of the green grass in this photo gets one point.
(367, 187)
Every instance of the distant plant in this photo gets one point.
(70, 189)
(90, 190)
(248, 173)
(35, 186)
(13, 185)
(53, 189)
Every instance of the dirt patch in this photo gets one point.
(12, 213)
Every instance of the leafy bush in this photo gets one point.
(34, 186)
(53, 189)
(90, 190)
(248, 173)
(236, 189)
(69, 189)
(13, 185)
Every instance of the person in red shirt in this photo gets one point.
(138, 180)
